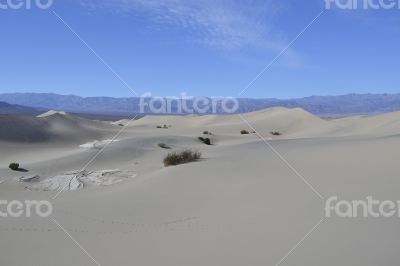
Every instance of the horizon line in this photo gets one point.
(251, 98)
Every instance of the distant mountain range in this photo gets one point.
(6, 108)
(351, 104)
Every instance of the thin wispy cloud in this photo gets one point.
(223, 24)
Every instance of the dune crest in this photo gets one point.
(52, 112)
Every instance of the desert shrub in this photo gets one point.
(121, 125)
(244, 132)
(275, 133)
(206, 141)
(207, 133)
(14, 166)
(183, 157)
(163, 145)
(172, 159)
(190, 156)
(163, 126)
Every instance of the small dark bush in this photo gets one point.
(14, 166)
(207, 133)
(163, 126)
(163, 145)
(206, 141)
(121, 125)
(275, 133)
(244, 132)
(183, 157)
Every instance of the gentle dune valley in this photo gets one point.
(262, 188)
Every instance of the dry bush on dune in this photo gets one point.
(206, 141)
(183, 157)
(244, 132)
(275, 133)
(164, 146)
(163, 126)
(14, 166)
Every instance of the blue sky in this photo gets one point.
(203, 47)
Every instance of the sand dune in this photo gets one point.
(239, 205)
(290, 120)
(52, 126)
(292, 123)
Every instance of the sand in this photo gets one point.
(239, 205)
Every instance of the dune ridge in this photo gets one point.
(292, 123)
